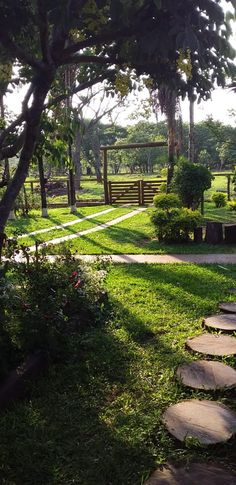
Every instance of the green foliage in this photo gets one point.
(232, 205)
(219, 198)
(172, 222)
(190, 182)
(166, 201)
(43, 302)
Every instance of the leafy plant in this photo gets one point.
(166, 201)
(42, 302)
(190, 182)
(232, 205)
(219, 198)
(172, 222)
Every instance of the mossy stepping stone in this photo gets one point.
(204, 422)
(206, 374)
(211, 344)
(228, 306)
(194, 474)
(225, 322)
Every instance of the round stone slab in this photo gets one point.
(194, 474)
(225, 322)
(207, 422)
(211, 344)
(228, 306)
(206, 374)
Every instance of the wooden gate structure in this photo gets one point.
(134, 192)
(139, 192)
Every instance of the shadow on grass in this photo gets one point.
(96, 418)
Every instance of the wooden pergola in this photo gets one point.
(105, 149)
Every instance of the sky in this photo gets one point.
(218, 107)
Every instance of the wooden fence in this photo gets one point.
(139, 192)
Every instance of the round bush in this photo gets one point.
(219, 199)
(190, 182)
(166, 201)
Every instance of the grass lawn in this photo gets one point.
(80, 226)
(137, 236)
(96, 417)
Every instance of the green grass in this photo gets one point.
(137, 236)
(80, 226)
(96, 418)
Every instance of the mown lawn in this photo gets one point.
(137, 236)
(96, 417)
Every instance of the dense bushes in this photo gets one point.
(219, 199)
(173, 222)
(190, 181)
(41, 302)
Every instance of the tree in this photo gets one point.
(101, 36)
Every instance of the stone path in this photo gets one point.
(100, 227)
(67, 224)
(212, 344)
(192, 474)
(207, 375)
(163, 258)
(207, 422)
(226, 322)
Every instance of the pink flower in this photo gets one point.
(78, 284)
(74, 275)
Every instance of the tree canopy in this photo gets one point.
(181, 44)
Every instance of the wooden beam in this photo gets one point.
(152, 144)
(106, 192)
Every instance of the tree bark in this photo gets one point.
(76, 159)
(171, 149)
(44, 81)
(191, 130)
(97, 157)
(42, 187)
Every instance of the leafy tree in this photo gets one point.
(103, 36)
(190, 182)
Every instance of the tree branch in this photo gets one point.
(17, 52)
(81, 87)
(11, 150)
(43, 31)
(12, 126)
(102, 38)
(79, 59)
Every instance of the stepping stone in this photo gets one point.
(206, 374)
(228, 306)
(225, 322)
(211, 344)
(207, 422)
(194, 474)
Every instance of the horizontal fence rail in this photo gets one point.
(139, 192)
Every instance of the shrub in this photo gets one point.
(166, 201)
(190, 182)
(42, 302)
(232, 205)
(175, 224)
(163, 187)
(219, 199)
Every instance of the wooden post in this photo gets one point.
(214, 233)
(110, 192)
(230, 233)
(106, 193)
(198, 235)
(202, 204)
(68, 191)
(228, 186)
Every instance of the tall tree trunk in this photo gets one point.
(171, 148)
(191, 129)
(6, 173)
(76, 158)
(44, 82)
(42, 188)
(97, 157)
